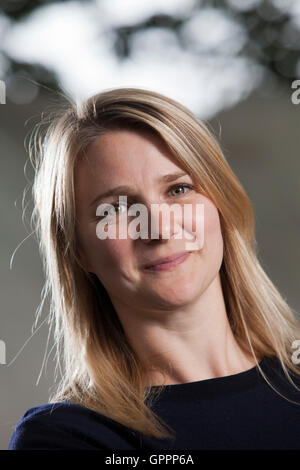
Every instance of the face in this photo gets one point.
(139, 160)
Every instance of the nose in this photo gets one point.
(161, 223)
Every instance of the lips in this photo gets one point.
(165, 260)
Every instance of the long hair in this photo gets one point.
(100, 369)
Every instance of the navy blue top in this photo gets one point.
(239, 411)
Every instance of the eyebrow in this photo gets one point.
(130, 191)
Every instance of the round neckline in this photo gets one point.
(244, 377)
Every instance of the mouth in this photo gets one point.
(169, 262)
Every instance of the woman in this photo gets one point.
(167, 344)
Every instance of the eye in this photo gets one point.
(179, 186)
(111, 212)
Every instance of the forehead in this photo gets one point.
(127, 152)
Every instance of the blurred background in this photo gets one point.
(234, 63)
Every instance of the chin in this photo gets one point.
(176, 295)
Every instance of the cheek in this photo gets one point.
(204, 223)
(213, 240)
(115, 251)
(211, 221)
(107, 254)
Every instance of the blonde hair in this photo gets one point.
(101, 371)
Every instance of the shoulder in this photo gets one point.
(64, 425)
(48, 426)
(272, 366)
(282, 391)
